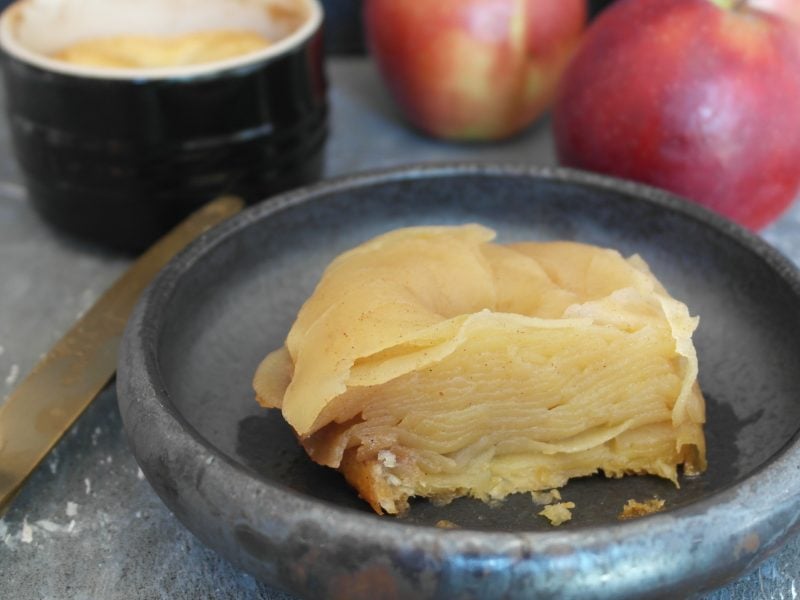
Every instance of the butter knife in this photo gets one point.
(42, 408)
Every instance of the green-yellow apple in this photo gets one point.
(473, 69)
(701, 97)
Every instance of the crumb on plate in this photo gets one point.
(445, 524)
(558, 513)
(542, 498)
(634, 509)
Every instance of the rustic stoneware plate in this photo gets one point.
(234, 475)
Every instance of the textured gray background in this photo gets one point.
(121, 543)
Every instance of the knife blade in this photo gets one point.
(42, 408)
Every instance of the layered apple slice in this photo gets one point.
(432, 362)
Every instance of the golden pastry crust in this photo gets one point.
(145, 52)
(431, 362)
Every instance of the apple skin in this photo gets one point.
(473, 69)
(689, 97)
(786, 9)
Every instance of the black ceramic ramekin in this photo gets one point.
(118, 156)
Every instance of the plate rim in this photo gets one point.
(738, 503)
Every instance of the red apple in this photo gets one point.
(787, 9)
(473, 69)
(692, 97)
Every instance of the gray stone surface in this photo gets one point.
(87, 525)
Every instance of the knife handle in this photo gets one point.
(42, 408)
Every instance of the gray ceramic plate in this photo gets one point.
(234, 475)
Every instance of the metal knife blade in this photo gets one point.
(61, 386)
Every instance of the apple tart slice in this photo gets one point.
(432, 362)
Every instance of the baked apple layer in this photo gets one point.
(432, 362)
